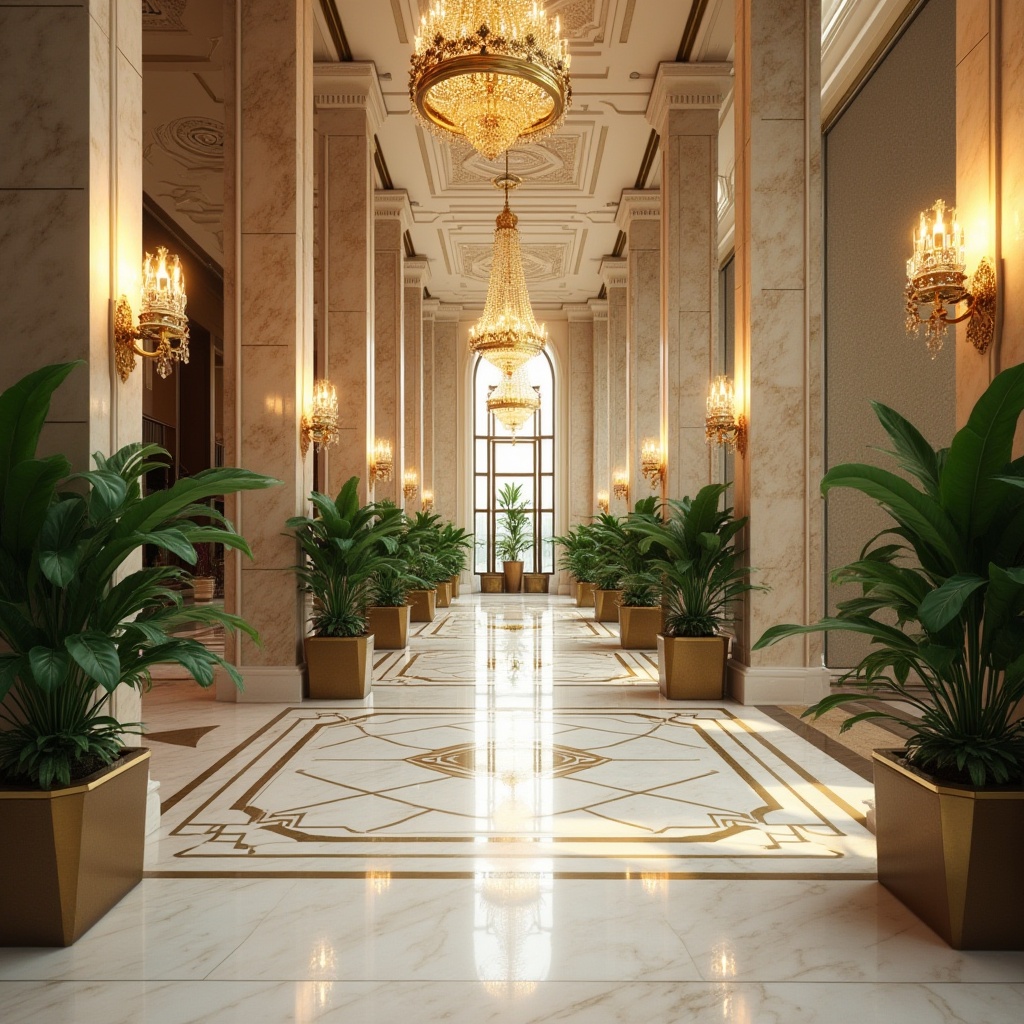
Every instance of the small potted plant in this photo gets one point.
(940, 595)
(513, 535)
(344, 546)
(701, 580)
(455, 541)
(610, 539)
(641, 618)
(389, 613)
(73, 630)
(423, 538)
(204, 580)
(579, 558)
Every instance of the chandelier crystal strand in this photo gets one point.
(514, 401)
(490, 72)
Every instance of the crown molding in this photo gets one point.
(700, 86)
(350, 85)
(416, 271)
(636, 203)
(614, 271)
(393, 204)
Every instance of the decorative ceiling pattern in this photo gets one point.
(163, 15)
(540, 262)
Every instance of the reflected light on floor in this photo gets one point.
(378, 882)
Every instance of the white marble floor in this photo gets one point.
(514, 827)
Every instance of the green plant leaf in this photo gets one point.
(108, 491)
(942, 605)
(913, 452)
(96, 654)
(49, 667)
(29, 491)
(60, 543)
(11, 666)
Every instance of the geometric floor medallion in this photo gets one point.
(468, 760)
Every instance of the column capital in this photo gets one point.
(352, 85)
(416, 271)
(448, 312)
(700, 86)
(599, 308)
(393, 204)
(430, 308)
(578, 312)
(637, 202)
(614, 271)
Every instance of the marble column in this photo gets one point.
(581, 412)
(684, 110)
(779, 343)
(392, 216)
(268, 304)
(448, 409)
(639, 217)
(349, 109)
(600, 472)
(615, 276)
(990, 180)
(430, 308)
(416, 274)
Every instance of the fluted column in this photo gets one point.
(600, 473)
(392, 217)
(430, 308)
(615, 276)
(349, 109)
(268, 326)
(416, 275)
(778, 343)
(448, 410)
(639, 216)
(684, 110)
(581, 412)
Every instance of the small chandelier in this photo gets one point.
(427, 502)
(410, 484)
(382, 464)
(652, 462)
(722, 425)
(602, 502)
(162, 320)
(513, 401)
(490, 72)
(507, 334)
(936, 274)
(320, 424)
(620, 485)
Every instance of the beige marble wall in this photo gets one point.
(430, 307)
(268, 341)
(615, 277)
(600, 473)
(349, 109)
(580, 398)
(639, 216)
(447, 403)
(392, 215)
(416, 275)
(778, 345)
(684, 110)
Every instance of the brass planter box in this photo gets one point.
(389, 626)
(492, 582)
(692, 667)
(69, 855)
(606, 605)
(585, 595)
(423, 603)
(513, 576)
(444, 595)
(339, 668)
(536, 582)
(952, 854)
(203, 589)
(639, 627)
(456, 582)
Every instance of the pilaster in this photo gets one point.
(601, 474)
(581, 411)
(614, 274)
(416, 275)
(449, 407)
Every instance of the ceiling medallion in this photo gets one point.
(490, 72)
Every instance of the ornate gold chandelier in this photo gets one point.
(513, 401)
(491, 72)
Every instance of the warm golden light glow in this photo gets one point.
(320, 424)
(410, 484)
(722, 425)
(652, 461)
(620, 485)
(427, 504)
(602, 501)
(490, 72)
(382, 464)
(513, 401)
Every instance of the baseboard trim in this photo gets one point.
(264, 684)
(776, 684)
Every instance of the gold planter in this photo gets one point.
(639, 627)
(455, 581)
(492, 582)
(389, 626)
(606, 605)
(692, 667)
(69, 855)
(513, 576)
(536, 582)
(424, 603)
(203, 588)
(339, 668)
(444, 594)
(951, 853)
(585, 595)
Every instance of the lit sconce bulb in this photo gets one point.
(602, 502)
(620, 485)
(652, 462)
(320, 424)
(383, 462)
(428, 501)
(410, 484)
(722, 425)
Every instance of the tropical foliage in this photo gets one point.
(513, 524)
(579, 553)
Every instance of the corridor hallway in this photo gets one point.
(514, 827)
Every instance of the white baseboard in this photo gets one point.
(776, 684)
(264, 684)
(152, 807)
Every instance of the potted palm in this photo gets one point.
(388, 613)
(423, 537)
(343, 547)
(72, 630)
(455, 542)
(641, 618)
(941, 598)
(701, 580)
(513, 536)
(579, 559)
(610, 538)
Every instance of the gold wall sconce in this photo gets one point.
(620, 485)
(652, 462)
(603, 503)
(722, 425)
(320, 424)
(427, 503)
(382, 463)
(936, 274)
(162, 320)
(410, 484)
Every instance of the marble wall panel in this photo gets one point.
(618, 392)
(270, 599)
(777, 43)
(349, 219)
(972, 25)
(601, 474)
(412, 426)
(581, 420)
(269, 290)
(446, 425)
(427, 476)
(388, 361)
(1011, 345)
(688, 370)
(128, 25)
(645, 349)
(350, 366)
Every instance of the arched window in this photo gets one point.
(527, 460)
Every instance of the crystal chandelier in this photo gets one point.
(513, 401)
(507, 334)
(491, 72)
